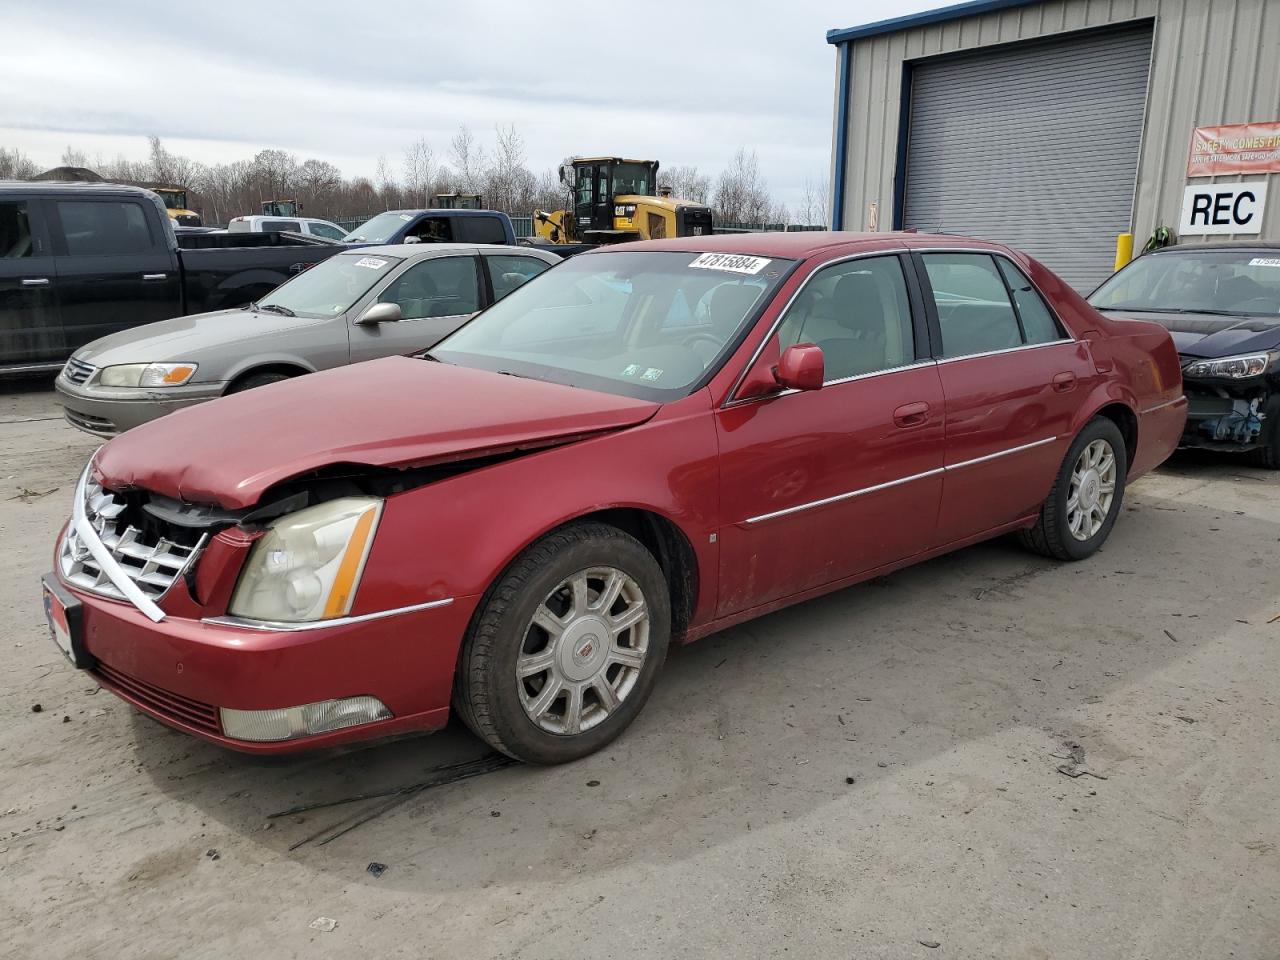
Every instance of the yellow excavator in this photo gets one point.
(614, 200)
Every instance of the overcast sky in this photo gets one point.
(681, 82)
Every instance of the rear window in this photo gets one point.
(277, 226)
(104, 227)
(480, 230)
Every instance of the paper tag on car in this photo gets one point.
(733, 262)
(373, 263)
(1265, 262)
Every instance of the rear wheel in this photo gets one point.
(1085, 500)
(566, 647)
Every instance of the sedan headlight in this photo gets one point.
(147, 374)
(1229, 368)
(308, 564)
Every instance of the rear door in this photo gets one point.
(114, 265)
(1012, 379)
(30, 329)
(436, 296)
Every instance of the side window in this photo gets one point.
(438, 287)
(432, 230)
(974, 311)
(15, 232)
(277, 226)
(480, 230)
(1038, 324)
(507, 273)
(858, 313)
(327, 231)
(103, 227)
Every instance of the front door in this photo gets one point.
(1012, 380)
(823, 485)
(436, 296)
(30, 330)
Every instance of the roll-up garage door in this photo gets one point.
(1033, 144)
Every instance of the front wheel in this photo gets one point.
(1085, 500)
(566, 647)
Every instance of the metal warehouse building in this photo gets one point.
(1056, 125)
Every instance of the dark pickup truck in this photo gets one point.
(81, 260)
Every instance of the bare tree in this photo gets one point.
(16, 165)
(419, 171)
(815, 203)
(468, 160)
(74, 158)
(742, 195)
(686, 183)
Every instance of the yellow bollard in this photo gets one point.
(1124, 249)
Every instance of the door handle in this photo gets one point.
(35, 281)
(1064, 382)
(911, 414)
(154, 276)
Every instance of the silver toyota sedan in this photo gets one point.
(371, 302)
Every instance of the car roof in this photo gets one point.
(450, 211)
(412, 250)
(1266, 245)
(799, 244)
(62, 186)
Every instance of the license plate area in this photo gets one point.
(65, 616)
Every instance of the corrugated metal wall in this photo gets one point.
(1213, 62)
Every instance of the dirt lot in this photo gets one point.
(724, 823)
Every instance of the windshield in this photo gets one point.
(173, 199)
(380, 229)
(1243, 282)
(647, 325)
(330, 287)
(632, 178)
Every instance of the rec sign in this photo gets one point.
(1217, 208)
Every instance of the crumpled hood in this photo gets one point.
(397, 411)
(1210, 335)
(185, 339)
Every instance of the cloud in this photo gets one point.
(679, 82)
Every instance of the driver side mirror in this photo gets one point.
(802, 367)
(381, 313)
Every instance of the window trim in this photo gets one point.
(61, 249)
(1053, 317)
(915, 303)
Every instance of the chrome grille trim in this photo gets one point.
(78, 372)
(97, 558)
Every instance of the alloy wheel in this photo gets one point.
(1093, 488)
(583, 650)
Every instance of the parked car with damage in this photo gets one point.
(355, 306)
(79, 261)
(644, 445)
(1221, 303)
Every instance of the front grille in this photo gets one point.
(77, 371)
(97, 425)
(147, 556)
(171, 705)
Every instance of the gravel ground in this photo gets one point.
(873, 774)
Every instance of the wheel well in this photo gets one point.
(1127, 423)
(288, 369)
(674, 553)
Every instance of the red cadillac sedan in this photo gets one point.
(646, 444)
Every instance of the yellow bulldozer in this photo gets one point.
(614, 200)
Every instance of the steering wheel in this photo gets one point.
(696, 338)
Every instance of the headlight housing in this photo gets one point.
(308, 564)
(1229, 368)
(147, 374)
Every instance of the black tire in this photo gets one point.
(1268, 455)
(1051, 535)
(486, 694)
(254, 380)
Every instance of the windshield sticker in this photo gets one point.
(373, 263)
(406, 217)
(653, 373)
(733, 262)
(631, 370)
(1265, 262)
